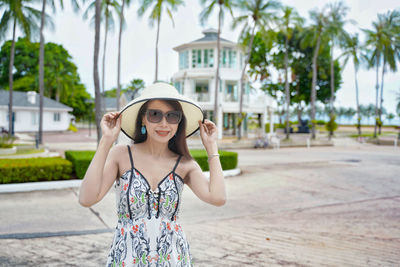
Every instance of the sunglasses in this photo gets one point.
(156, 115)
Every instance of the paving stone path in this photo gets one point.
(290, 207)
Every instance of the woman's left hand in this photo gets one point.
(208, 133)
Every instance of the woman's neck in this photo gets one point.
(156, 149)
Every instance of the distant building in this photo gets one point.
(196, 79)
(26, 112)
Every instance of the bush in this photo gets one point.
(228, 159)
(81, 160)
(72, 128)
(34, 169)
(6, 141)
(331, 126)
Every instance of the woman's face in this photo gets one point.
(161, 131)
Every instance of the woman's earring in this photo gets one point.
(143, 129)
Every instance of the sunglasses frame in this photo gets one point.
(164, 115)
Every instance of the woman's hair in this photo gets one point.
(177, 143)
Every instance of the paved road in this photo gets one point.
(331, 206)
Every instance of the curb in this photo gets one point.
(36, 186)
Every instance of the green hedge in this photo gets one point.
(228, 159)
(34, 169)
(81, 160)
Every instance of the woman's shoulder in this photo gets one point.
(188, 164)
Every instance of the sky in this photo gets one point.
(138, 45)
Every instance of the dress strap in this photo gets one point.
(130, 156)
(176, 164)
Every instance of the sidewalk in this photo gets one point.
(323, 206)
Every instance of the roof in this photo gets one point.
(20, 99)
(210, 37)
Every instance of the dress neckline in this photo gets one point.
(159, 183)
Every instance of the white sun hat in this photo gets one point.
(161, 91)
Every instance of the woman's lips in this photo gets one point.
(162, 133)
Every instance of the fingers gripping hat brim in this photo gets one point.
(161, 91)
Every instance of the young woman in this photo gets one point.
(149, 176)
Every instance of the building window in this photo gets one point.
(179, 86)
(228, 58)
(202, 58)
(56, 116)
(231, 91)
(208, 58)
(184, 60)
(201, 91)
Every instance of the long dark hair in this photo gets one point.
(176, 144)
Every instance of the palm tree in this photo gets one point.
(312, 37)
(391, 20)
(97, 93)
(335, 29)
(43, 20)
(353, 50)
(257, 14)
(290, 20)
(155, 16)
(17, 13)
(121, 25)
(375, 41)
(204, 15)
(107, 9)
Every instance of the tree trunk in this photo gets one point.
(381, 102)
(158, 36)
(331, 100)
(104, 59)
(96, 70)
(119, 54)
(377, 93)
(358, 103)
(287, 89)
(314, 84)
(10, 83)
(41, 73)
(216, 89)
(299, 108)
(242, 81)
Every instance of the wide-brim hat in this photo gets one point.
(161, 91)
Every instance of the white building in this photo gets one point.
(26, 112)
(196, 79)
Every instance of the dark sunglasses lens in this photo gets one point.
(173, 117)
(154, 115)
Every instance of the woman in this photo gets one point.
(149, 175)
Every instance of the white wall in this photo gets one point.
(27, 120)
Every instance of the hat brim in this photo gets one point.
(192, 112)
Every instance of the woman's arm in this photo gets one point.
(209, 190)
(103, 168)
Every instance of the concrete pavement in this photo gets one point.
(323, 206)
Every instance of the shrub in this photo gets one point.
(6, 141)
(81, 160)
(72, 128)
(34, 169)
(331, 126)
(228, 159)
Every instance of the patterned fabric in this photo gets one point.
(148, 232)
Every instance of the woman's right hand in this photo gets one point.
(111, 125)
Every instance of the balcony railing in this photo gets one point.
(230, 98)
(202, 97)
